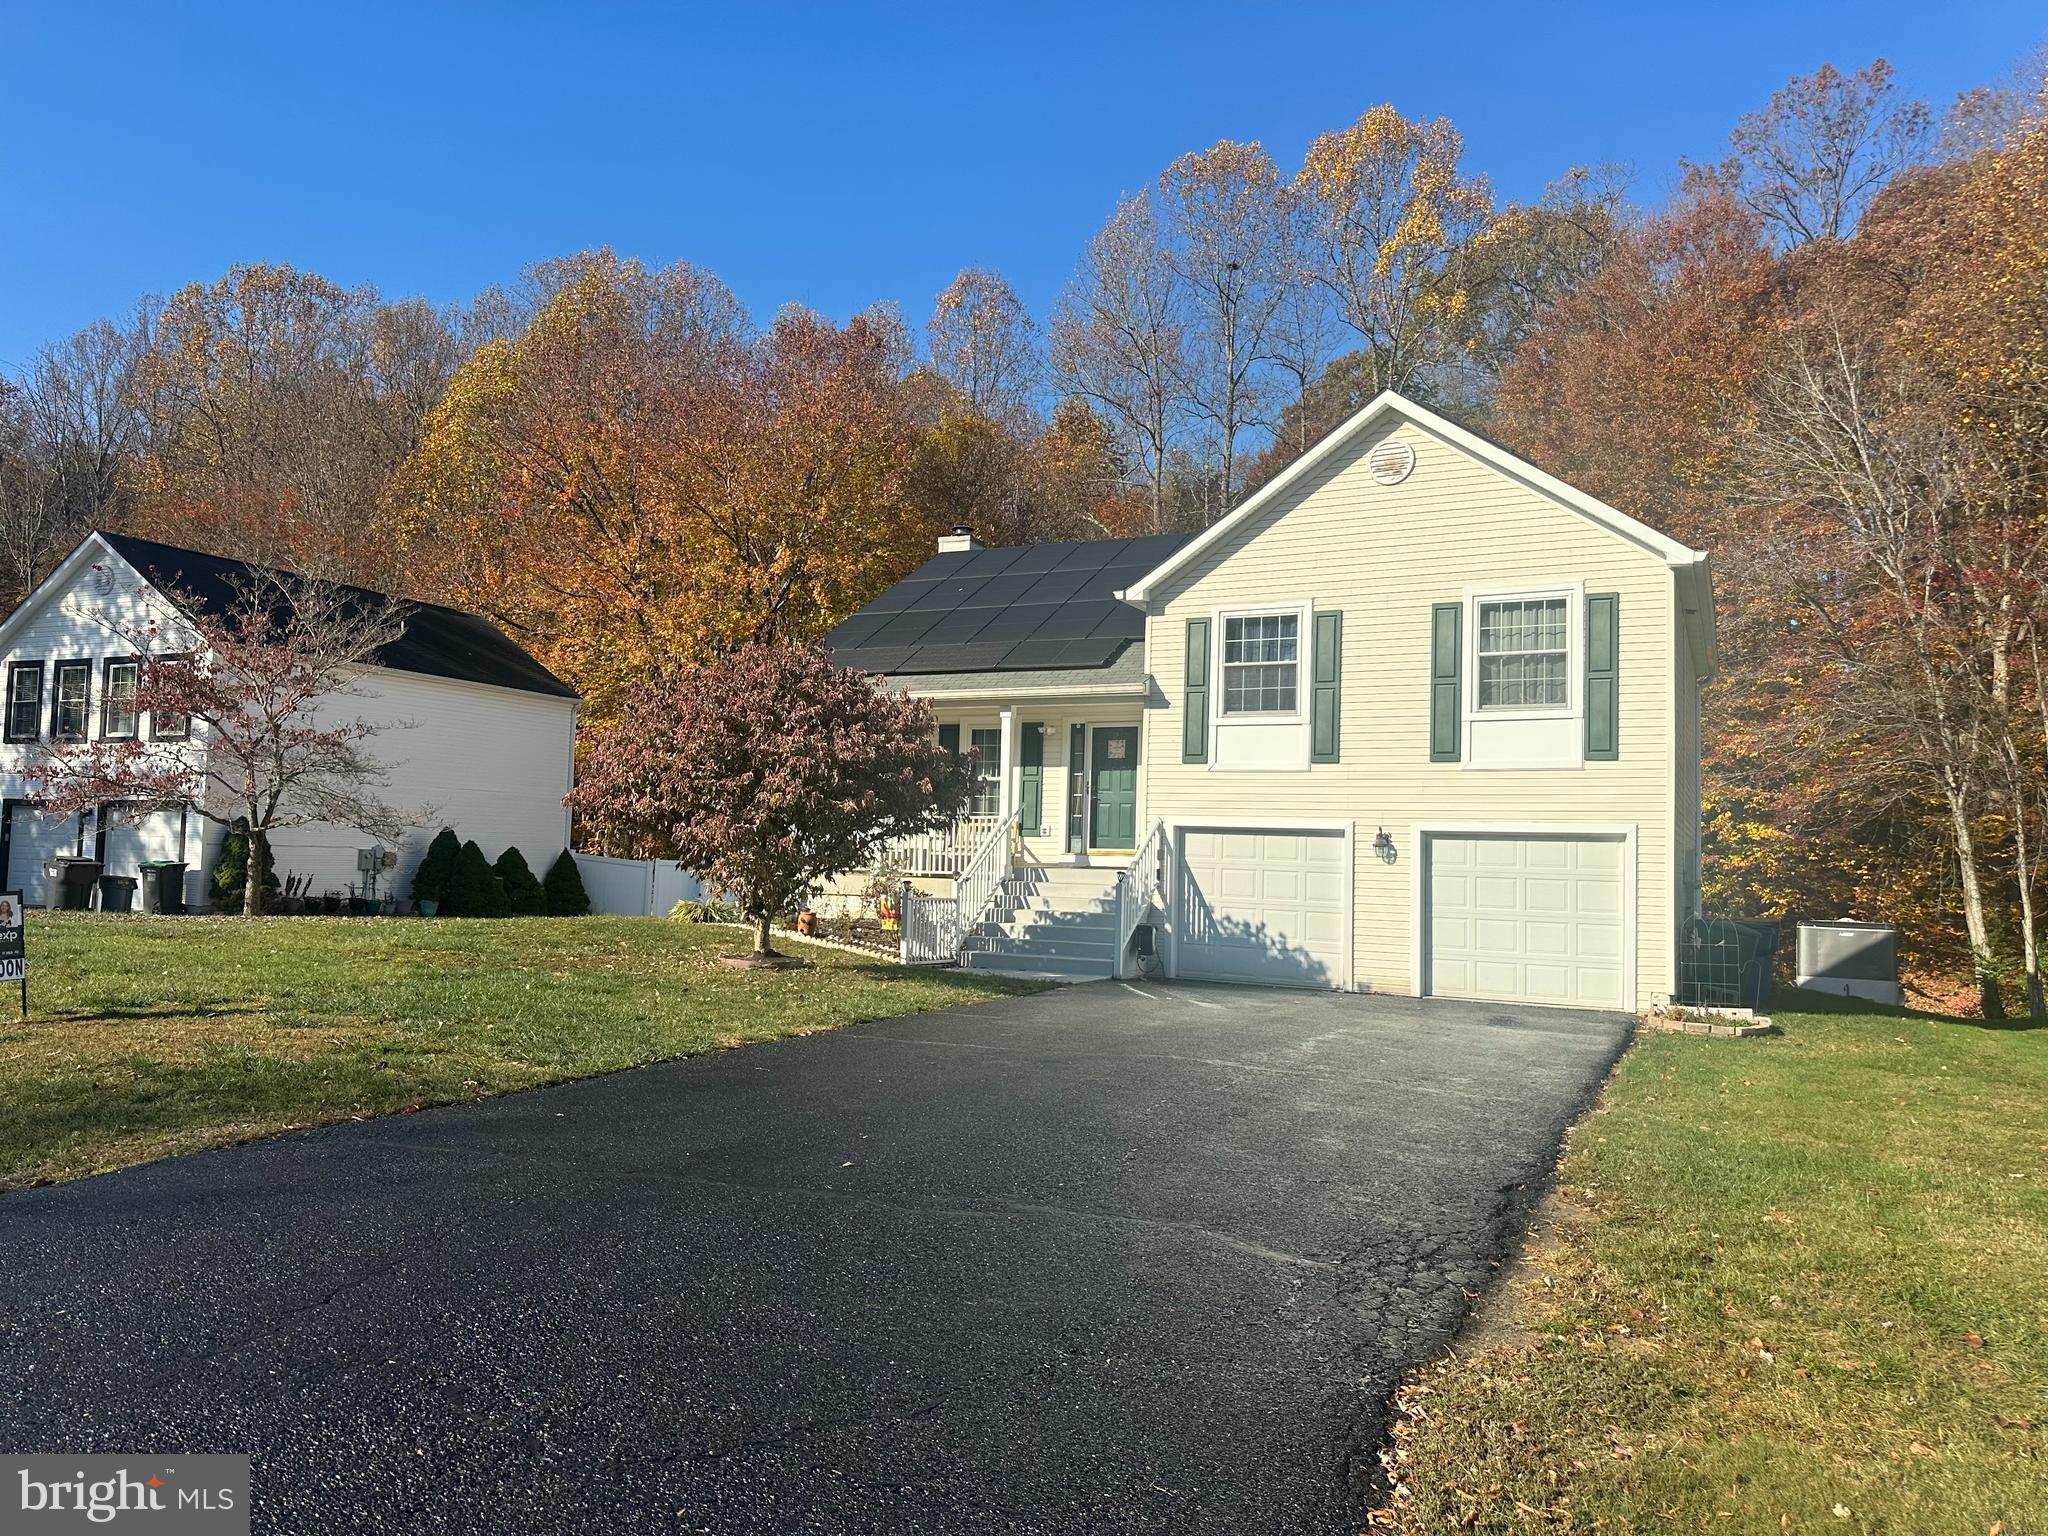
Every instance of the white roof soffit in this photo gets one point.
(1665, 548)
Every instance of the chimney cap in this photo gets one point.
(960, 541)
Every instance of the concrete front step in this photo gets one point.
(1036, 965)
(1062, 877)
(1064, 946)
(1010, 908)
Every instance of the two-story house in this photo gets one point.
(474, 733)
(1416, 718)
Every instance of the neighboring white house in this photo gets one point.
(477, 735)
(1416, 718)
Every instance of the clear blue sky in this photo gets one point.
(829, 155)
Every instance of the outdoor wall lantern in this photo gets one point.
(1383, 845)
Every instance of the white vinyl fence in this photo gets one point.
(636, 887)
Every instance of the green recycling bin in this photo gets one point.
(163, 887)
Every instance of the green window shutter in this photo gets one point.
(1194, 731)
(1031, 777)
(1603, 676)
(1446, 676)
(949, 738)
(1326, 683)
(1077, 767)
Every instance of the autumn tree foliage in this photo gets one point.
(278, 405)
(982, 340)
(638, 477)
(260, 686)
(766, 771)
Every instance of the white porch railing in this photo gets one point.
(942, 851)
(933, 926)
(929, 931)
(1140, 885)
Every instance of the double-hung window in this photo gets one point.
(163, 724)
(1524, 654)
(73, 689)
(1262, 664)
(24, 700)
(987, 747)
(117, 699)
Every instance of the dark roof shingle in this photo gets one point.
(436, 641)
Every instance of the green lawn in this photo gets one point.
(1793, 1284)
(151, 1036)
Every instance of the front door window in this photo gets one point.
(1113, 787)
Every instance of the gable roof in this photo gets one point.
(1692, 565)
(1025, 607)
(436, 641)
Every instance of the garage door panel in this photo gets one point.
(1497, 893)
(1526, 918)
(1599, 941)
(1263, 906)
(1600, 898)
(1600, 857)
(32, 839)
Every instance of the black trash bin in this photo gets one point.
(73, 880)
(163, 887)
(117, 893)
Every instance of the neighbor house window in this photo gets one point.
(73, 688)
(163, 724)
(1261, 664)
(988, 772)
(117, 700)
(1524, 654)
(24, 700)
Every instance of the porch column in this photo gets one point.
(1007, 763)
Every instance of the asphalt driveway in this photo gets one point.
(1098, 1260)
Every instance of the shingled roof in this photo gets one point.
(436, 641)
(1026, 607)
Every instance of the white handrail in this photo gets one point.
(976, 886)
(941, 850)
(1139, 885)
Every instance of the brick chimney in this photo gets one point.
(960, 541)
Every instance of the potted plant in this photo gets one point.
(807, 922)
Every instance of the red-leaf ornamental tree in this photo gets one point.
(243, 717)
(766, 771)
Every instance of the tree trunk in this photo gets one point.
(762, 928)
(2023, 864)
(1973, 909)
(252, 883)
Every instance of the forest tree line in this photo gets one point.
(1823, 357)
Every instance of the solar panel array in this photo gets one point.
(1027, 607)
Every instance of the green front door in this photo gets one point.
(1113, 787)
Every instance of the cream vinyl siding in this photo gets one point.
(1383, 555)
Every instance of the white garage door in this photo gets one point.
(1528, 919)
(1262, 905)
(33, 837)
(155, 836)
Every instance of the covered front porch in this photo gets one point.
(1066, 769)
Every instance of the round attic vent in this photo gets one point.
(1391, 463)
(103, 579)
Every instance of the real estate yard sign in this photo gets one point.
(14, 944)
